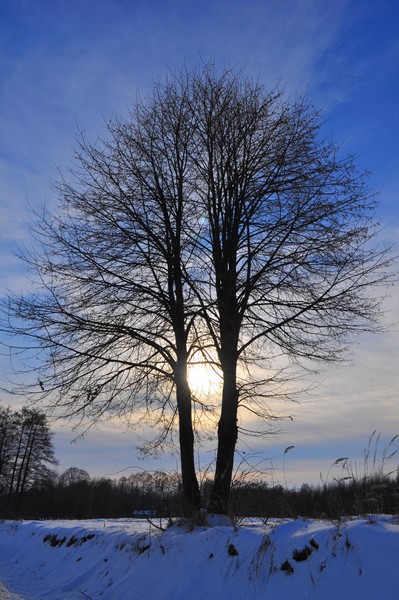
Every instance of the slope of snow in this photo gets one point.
(126, 558)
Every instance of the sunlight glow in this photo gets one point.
(204, 380)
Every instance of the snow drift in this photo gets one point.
(128, 559)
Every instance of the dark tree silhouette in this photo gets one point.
(73, 476)
(26, 451)
(115, 317)
(8, 433)
(214, 221)
(286, 255)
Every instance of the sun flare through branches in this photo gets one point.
(204, 379)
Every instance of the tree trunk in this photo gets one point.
(227, 439)
(26, 464)
(16, 458)
(191, 493)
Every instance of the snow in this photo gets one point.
(128, 558)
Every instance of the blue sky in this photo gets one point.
(68, 64)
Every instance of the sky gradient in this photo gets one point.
(69, 65)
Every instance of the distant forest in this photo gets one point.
(74, 495)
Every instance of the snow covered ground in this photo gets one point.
(127, 559)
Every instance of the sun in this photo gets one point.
(203, 379)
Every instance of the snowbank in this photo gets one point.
(127, 559)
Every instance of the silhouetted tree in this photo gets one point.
(26, 451)
(285, 262)
(7, 445)
(213, 221)
(74, 475)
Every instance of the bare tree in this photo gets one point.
(8, 434)
(115, 320)
(213, 220)
(287, 257)
(26, 451)
(73, 476)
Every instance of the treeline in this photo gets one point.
(30, 487)
(75, 495)
(369, 495)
